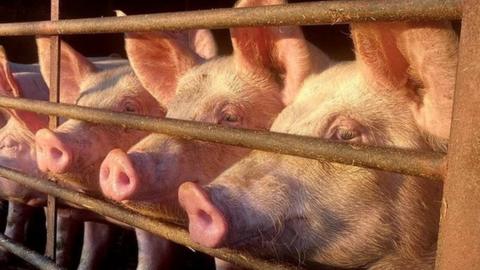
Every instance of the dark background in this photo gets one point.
(333, 40)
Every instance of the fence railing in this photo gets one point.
(431, 165)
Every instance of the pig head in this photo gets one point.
(245, 90)
(17, 128)
(398, 93)
(74, 150)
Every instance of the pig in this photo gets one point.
(397, 93)
(17, 152)
(74, 151)
(244, 90)
(16, 143)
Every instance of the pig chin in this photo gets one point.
(277, 233)
(168, 209)
(83, 180)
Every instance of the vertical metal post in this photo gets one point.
(54, 97)
(459, 238)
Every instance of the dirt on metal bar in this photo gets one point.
(27, 255)
(425, 164)
(168, 231)
(459, 238)
(311, 13)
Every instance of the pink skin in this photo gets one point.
(155, 253)
(17, 152)
(76, 147)
(240, 91)
(236, 91)
(74, 150)
(16, 144)
(397, 93)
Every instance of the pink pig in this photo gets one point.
(74, 151)
(245, 90)
(398, 93)
(17, 151)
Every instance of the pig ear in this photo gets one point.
(418, 58)
(75, 68)
(159, 59)
(284, 50)
(377, 51)
(11, 88)
(8, 85)
(203, 43)
(201, 40)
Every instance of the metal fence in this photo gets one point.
(459, 239)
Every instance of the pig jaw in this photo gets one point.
(217, 218)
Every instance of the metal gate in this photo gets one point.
(459, 239)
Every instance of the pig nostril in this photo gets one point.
(55, 153)
(123, 179)
(105, 173)
(204, 218)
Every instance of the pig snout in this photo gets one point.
(207, 224)
(118, 178)
(52, 154)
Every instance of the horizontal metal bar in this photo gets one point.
(165, 230)
(325, 12)
(30, 256)
(424, 164)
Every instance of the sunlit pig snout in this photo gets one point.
(207, 225)
(52, 154)
(118, 178)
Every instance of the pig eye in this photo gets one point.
(4, 116)
(130, 107)
(230, 119)
(346, 135)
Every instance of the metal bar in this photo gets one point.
(26, 254)
(54, 96)
(459, 238)
(424, 164)
(325, 12)
(165, 230)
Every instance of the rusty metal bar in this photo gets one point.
(26, 254)
(459, 238)
(54, 96)
(168, 231)
(424, 164)
(325, 12)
